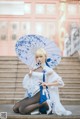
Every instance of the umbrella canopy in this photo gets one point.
(27, 46)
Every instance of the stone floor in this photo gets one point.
(11, 115)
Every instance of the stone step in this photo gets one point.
(14, 74)
(61, 74)
(8, 74)
(70, 89)
(69, 79)
(67, 67)
(66, 84)
(22, 74)
(11, 115)
(8, 66)
(8, 62)
(20, 88)
(6, 79)
(70, 59)
(66, 101)
(13, 79)
(9, 58)
(11, 82)
(8, 70)
(12, 95)
(21, 95)
(16, 58)
(69, 84)
(77, 71)
(19, 83)
(64, 95)
(71, 101)
(14, 70)
(2, 66)
(61, 63)
(70, 63)
(10, 89)
(70, 95)
(21, 63)
(8, 82)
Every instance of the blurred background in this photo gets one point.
(58, 20)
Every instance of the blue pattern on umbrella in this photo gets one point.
(27, 45)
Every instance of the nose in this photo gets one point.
(38, 59)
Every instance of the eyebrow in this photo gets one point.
(38, 55)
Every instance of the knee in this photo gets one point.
(15, 109)
(21, 110)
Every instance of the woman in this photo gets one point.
(31, 81)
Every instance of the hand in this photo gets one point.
(44, 84)
(30, 72)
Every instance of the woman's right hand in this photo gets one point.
(30, 72)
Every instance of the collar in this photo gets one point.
(43, 65)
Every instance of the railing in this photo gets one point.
(72, 41)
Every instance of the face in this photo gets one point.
(40, 59)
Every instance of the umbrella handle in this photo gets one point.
(38, 69)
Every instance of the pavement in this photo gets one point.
(11, 115)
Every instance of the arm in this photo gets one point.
(55, 78)
(35, 74)
(55, 83)
(49, 73)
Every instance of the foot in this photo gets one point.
(69, 113)
(49, 105)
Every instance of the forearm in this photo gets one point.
(50, 84)
(56, 83)
(53, 84)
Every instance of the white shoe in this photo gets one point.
(50, 109)
(68, 113)
(36, 112)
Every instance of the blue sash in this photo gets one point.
(44, 93)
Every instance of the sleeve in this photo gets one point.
(37, 75)
(55, 77)
(25, 80)
(26, 94)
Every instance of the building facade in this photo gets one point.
(50, 18)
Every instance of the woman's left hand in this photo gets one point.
(44, 84)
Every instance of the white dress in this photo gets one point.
(57, 107)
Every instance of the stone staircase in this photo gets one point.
(12, 72)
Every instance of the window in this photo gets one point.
(72, 9)
(51, 9)
(40, 8)
(27, 8)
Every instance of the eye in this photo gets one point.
(36, 57)
(41, 56)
